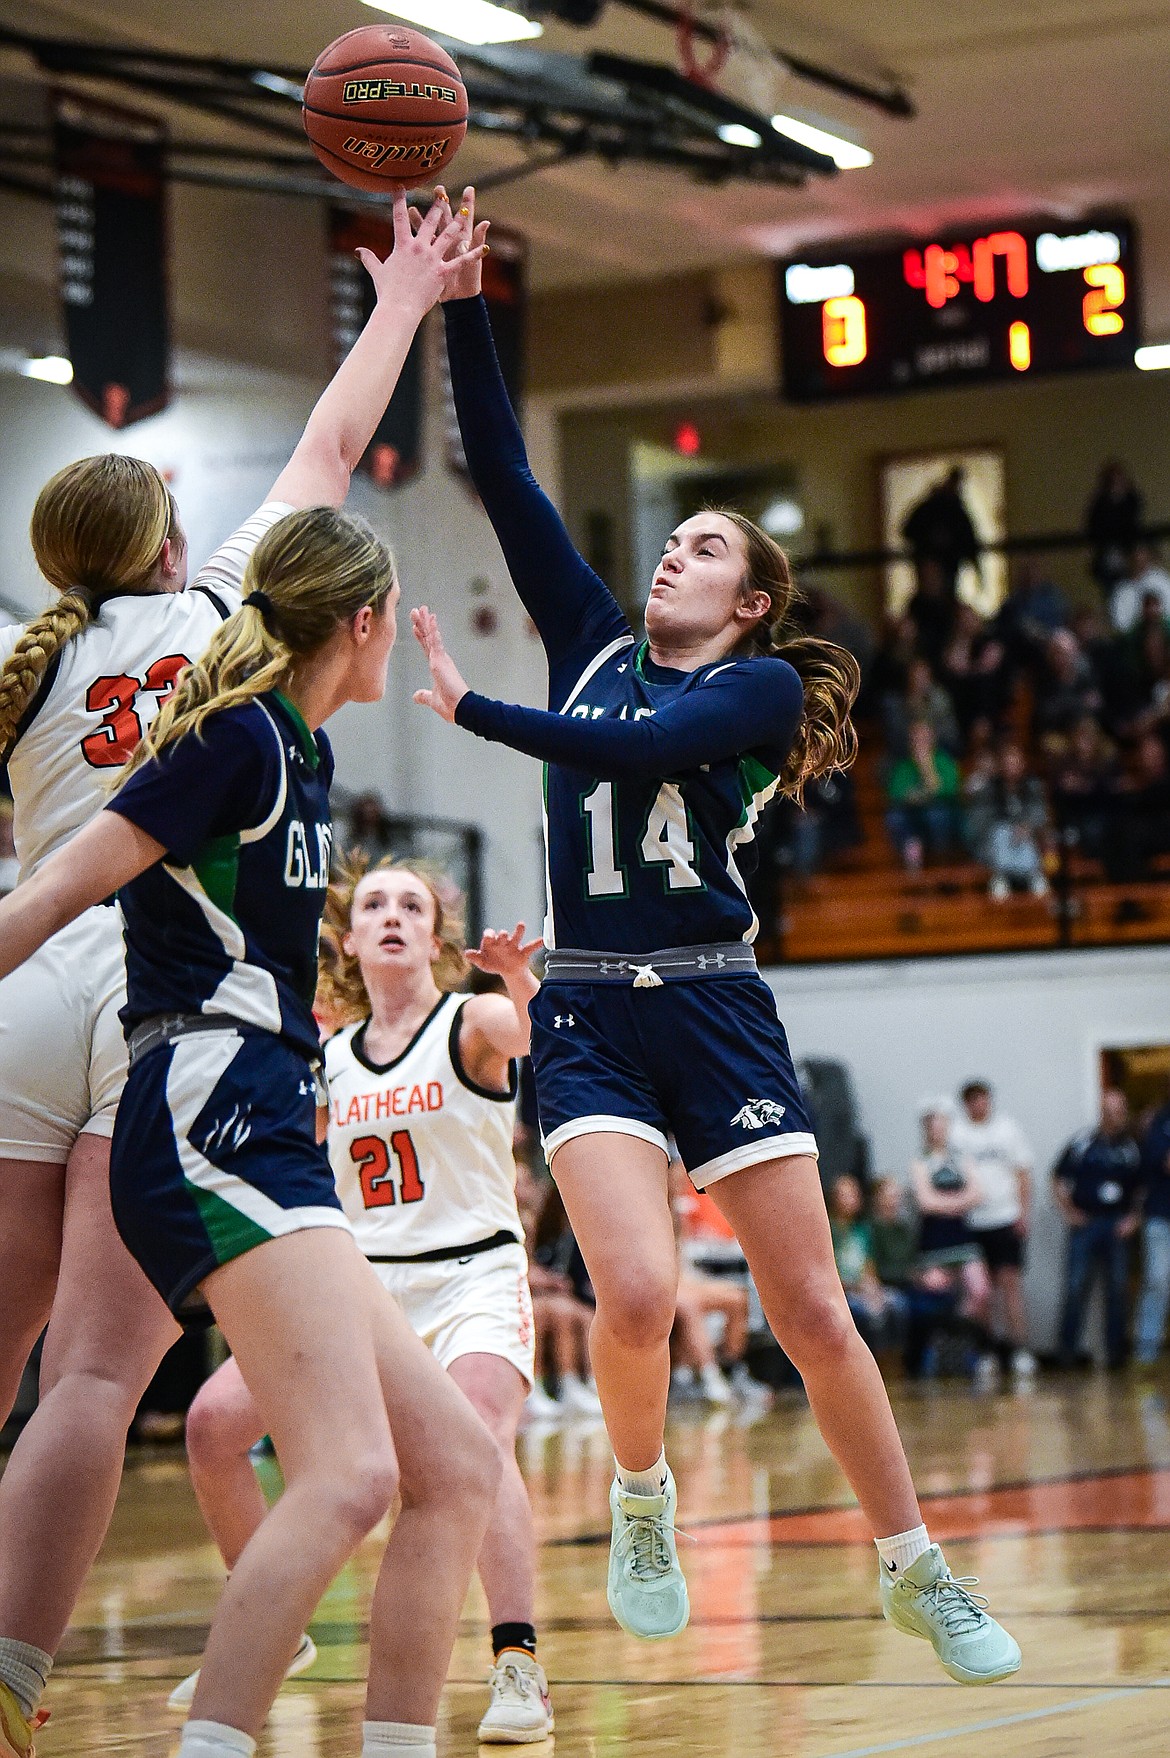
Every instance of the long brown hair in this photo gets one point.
(341, 990)
(826, 738)
(98, 528)
(315, 569)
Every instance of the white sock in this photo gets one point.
(391, 1739)
(212, 1739)
(25, 1670)
(643, 1483)
(904, 1548)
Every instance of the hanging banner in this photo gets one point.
(112, 241)
(395, 452)
(505, 290)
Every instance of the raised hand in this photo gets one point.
(448, 685)
(424, 261)
(503, 955)
(469, 251)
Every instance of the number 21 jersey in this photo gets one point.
(421, 1155)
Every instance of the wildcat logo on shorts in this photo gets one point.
(757, 1114)
(375, 153)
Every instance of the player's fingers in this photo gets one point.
(424, 698)
(474, 958)
(532, 946)
(437, 215)
(456, 262)
(369, 261)
(402, 227)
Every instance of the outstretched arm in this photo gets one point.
(109, 852)
(741, 705)
(348, 411)
(498, 1025)
(570, 605)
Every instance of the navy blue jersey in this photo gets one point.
(654, 778)
(1101, 1173)
(229, 921)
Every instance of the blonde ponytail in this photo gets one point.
(826, 738)
(98, 528)
(311, 572)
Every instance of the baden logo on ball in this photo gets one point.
(385, 107)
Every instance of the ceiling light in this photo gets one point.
(782, 517)
(735, 134)
(469, 21)
(1155, 359)
(846, 154)
(54, 369)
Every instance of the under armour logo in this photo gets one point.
(622, 668)
(718, 961)
(306, 1087)
(757, 1114)
(565, 1019)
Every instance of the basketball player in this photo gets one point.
(77, 686)
(218, 844)
(652, 1018)
(422, 1088)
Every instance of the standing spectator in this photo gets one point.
(924, 800)
(1007, 826)
(1081, 779)
(1097, 1182)
(931, 611)
(999, 1223)
(1034, 608)
(1154, 1299)
(1113, 522)
(1144, 577)
(946, 1191)
(939, 530)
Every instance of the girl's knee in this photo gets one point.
(815, 1328)
(638, 1311)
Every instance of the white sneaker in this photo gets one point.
(302, 1660)
(987, 1372)
(999, 890)
(714, 1386)
(539, 1407)
(646, 1590)
(1024, 1364)
(747, 1387)
(520, 1710)
(579, 1397)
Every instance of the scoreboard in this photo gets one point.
(1004, 303)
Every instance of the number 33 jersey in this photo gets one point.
(421, 1154)
(104, 688)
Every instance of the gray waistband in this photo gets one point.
(168, 1028)
(649, 970)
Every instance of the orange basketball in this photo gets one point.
(385, 107)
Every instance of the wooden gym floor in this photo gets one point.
(1058, 1498)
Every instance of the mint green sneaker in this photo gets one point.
(646, 1591)
(926, 1600)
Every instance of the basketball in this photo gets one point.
(384, 107)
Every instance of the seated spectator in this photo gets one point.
(824, 825)
(713, 1284)
(879, 1312)
(896, 648)
(1141, 695)
(923, 790)
(923, 699)
(1139, 824)
(980, 756)
(1007, 827)
(1113, 522)
(1097, 1183)
(1067, 687)
(562, 1309)
(1154, 1299)
(369, 826)
(1144, 577)
(1082, 776)
(974, 670)
(893, 1236)
(1033, 610)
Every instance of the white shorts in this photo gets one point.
(62, 1052)
(469, 1306)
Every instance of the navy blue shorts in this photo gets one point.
(215, 1152)
(706, 1061)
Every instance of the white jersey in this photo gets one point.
(104, 688)
(421, 1154)
(998, 1150)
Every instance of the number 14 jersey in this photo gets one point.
(421, 1154)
